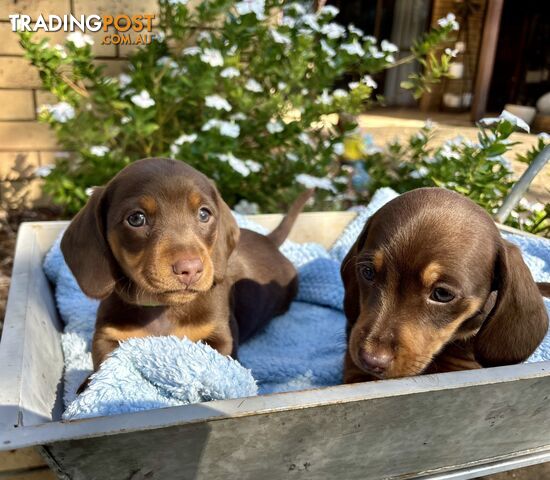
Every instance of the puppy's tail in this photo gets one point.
(544, 289)
(282, 230)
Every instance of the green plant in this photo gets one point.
(478, 170)
(233, 88)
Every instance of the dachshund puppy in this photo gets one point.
(431, 286)
(161, 250)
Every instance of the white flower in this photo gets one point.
(217, 102)
(309, 181)
(159, 36)
(61, 50)
(178, 2)
(229, 72)
(327, 49)
(244, 167)
(124, 80)
(99, 150)
(369, 38)
(324, 98)
(124, 120)
(254, 167)
(228, 129)
(204, 36)
(167, 61)
(310, 20)
(452, 53)
(369, 82)
(288, 22)
(338, 148)
(298, 8)
(279, 37)
(447, 151)
(89, 191)
(353, 85)
(185, 139)
(373, 50)
(420, 173)
(274, 126)
(305, 139)
(544, 136)
(238, 116)
(191, 51)
(429, 124)
(353, 48)
(79, 39)
(292, 157)
(390, 59)
(304, 91)
(61, 112)
(450, 19)
(213, 57)
(329, 10)
(178, 142)
(244, 207)
(505, 115)
(143, 99)
(357, 31)
(253, 86)
(333, 30)
(282, 85)
(257, 7)
(388, 46)
(43, 171)
(340, 93)
(537, 207)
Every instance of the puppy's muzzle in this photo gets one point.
(376, 362)
(188, 270)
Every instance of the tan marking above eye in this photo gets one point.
(195, 200)
(378, 259)
(149, 204)
(431, 273)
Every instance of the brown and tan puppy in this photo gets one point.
(431, 286)
(161, 249)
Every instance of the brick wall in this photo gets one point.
(24, 143)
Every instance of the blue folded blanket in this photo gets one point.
(301, 349)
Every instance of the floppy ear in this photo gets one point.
(226, 239)
(518, 322)
(348, 270)
(86, 251)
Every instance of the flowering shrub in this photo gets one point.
(478, 170)
(243, 91)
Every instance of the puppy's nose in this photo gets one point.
(188, 270)
(376, 362)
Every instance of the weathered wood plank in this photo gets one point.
(399, 436)
(20, 459)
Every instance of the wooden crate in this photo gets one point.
(452, 425)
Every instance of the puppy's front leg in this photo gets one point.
(102, 346)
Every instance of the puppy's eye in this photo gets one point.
(204, 215)
(367, 272)
(137, 219)
(441, 295)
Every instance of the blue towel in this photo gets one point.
(301, 349)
